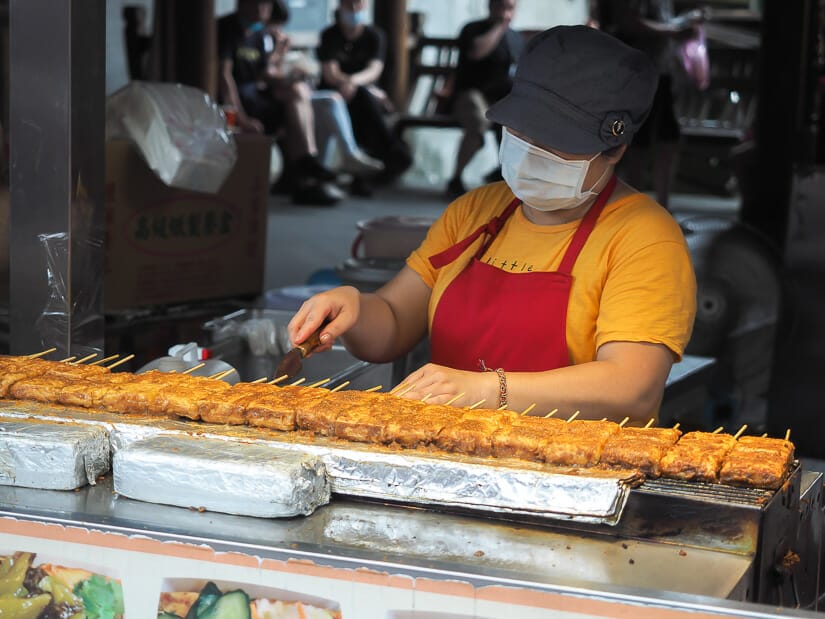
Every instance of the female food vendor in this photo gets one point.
(573, 289)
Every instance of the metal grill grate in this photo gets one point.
(715, 493)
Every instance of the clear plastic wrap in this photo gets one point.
(75, 314)
(179, 131)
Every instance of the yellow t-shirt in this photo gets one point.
(633, 280)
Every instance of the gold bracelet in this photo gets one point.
(502, 387)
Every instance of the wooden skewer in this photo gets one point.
(788, 434)
(40, 354)
(262, 379)
(718, 430)
(280, 379)
(624, 421)
(676, 427)
(122, 361)
(67, 359)
(405, 391)
(86, 358)
(373, 389)
(223, 374)
(603, 419)
(765, 435)
(193, 368)
(339, 387)
(477, 404)
(503, 407)
(573, 416)
(320, 382)
(104, 360)
(528, 409)
(426, 397)
(650, 423)
(297, 382)
(398, 388)
(454, 399)
(741, 430)
(551, 413)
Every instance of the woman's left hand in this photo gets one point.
(440, 384)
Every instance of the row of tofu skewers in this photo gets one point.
(386, 419)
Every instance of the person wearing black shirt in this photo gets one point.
(266, 101)
(352, 60)
(487, 54)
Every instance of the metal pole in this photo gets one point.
(57, 112)
(391, 16)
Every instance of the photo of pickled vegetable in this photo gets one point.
(235, 602)
(49, 591)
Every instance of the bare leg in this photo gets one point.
(471, 143)
(470, 107)
(300, 126)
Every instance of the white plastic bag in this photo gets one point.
(179, 131)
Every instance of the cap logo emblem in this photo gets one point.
(617, 128)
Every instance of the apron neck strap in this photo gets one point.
(492, 228)
(586, 227)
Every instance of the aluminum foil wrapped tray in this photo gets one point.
(52, 456)
(217, 475)
(485, 485)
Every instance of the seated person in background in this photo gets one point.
(266, 101)
(332, 120)
(352, 60)
(488, 51)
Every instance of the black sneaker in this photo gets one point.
(360, 187)
(309, 166)
(317, 194)
(455, 188)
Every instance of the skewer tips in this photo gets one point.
(339, 387)
(454, 399)
(193, 368)
(121, 361)
(41, 353)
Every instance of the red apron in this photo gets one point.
(515, 321)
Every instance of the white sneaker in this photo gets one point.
(358, 163)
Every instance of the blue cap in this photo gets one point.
(578, 90)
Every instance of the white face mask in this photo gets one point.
(542, 180)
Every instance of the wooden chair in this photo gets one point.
(432, 69)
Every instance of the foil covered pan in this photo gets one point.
(209, 474)
(52, 456)
(486, 485)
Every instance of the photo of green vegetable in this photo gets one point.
(29, 590)
(209, 600)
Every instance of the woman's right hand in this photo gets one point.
(339, 308)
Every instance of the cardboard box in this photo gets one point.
(166, 245)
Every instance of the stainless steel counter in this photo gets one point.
(418, 542)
